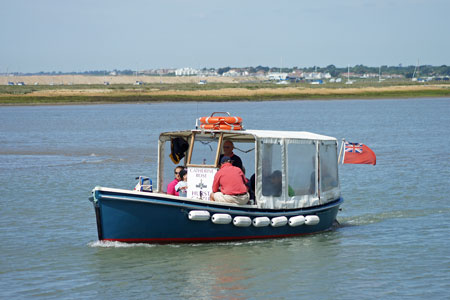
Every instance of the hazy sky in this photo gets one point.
(81, 35)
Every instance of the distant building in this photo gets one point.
(186, 72)
(165, 71)
(316, 75)
(235, 73)
(207, 72)
(369, 75)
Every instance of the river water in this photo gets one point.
(393, 242)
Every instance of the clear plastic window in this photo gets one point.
(328, 167)
(204, 152)
(271, 169)
(301, 169)
(246, 153)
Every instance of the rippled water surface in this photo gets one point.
(393, 242)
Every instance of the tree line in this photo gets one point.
(407, 71)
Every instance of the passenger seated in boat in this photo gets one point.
(228, 147)
(171, 186)
(274, 187)
(181, 186)
(229, 184)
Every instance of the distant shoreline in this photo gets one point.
(213, 91)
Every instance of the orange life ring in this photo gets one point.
(221, 126)
(221, 120)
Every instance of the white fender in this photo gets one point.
(221, 219)
(199, 215)
(279, 221)
(242, 221)
(261, 221)
(296, 221)
(312, 220)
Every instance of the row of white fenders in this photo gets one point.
(244, 221)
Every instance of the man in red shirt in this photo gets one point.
(229, 184)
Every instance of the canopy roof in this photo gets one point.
(250, 134)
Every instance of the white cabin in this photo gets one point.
(307, 162)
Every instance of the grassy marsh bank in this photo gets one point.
(184, 92)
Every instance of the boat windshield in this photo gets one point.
(204, 151)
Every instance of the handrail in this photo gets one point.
(221, 112)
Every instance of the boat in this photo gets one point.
(307, 201)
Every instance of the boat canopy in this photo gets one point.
(250, 134)
(302, 165)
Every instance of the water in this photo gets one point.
(393, 241)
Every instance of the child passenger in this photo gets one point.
(181, 186)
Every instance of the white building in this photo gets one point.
(317, 75)
(186, 72)
(232, 73)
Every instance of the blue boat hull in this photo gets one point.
(156, 218)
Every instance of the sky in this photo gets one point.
(84, 35)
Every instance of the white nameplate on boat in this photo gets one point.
(200, 181)
(296, 221)
(199, 215)
(312, 220)
(242, 221)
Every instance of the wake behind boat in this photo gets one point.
(294, 188)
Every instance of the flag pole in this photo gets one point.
(340, 152)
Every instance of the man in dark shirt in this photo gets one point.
(228, 151)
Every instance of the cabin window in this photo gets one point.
(246, 152)
(204, 151)
(328, 167)
(271, 169)
(301, 169)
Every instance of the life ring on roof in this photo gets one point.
(221, 126)
(221, 120)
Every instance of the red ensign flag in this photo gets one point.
(357, 153)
